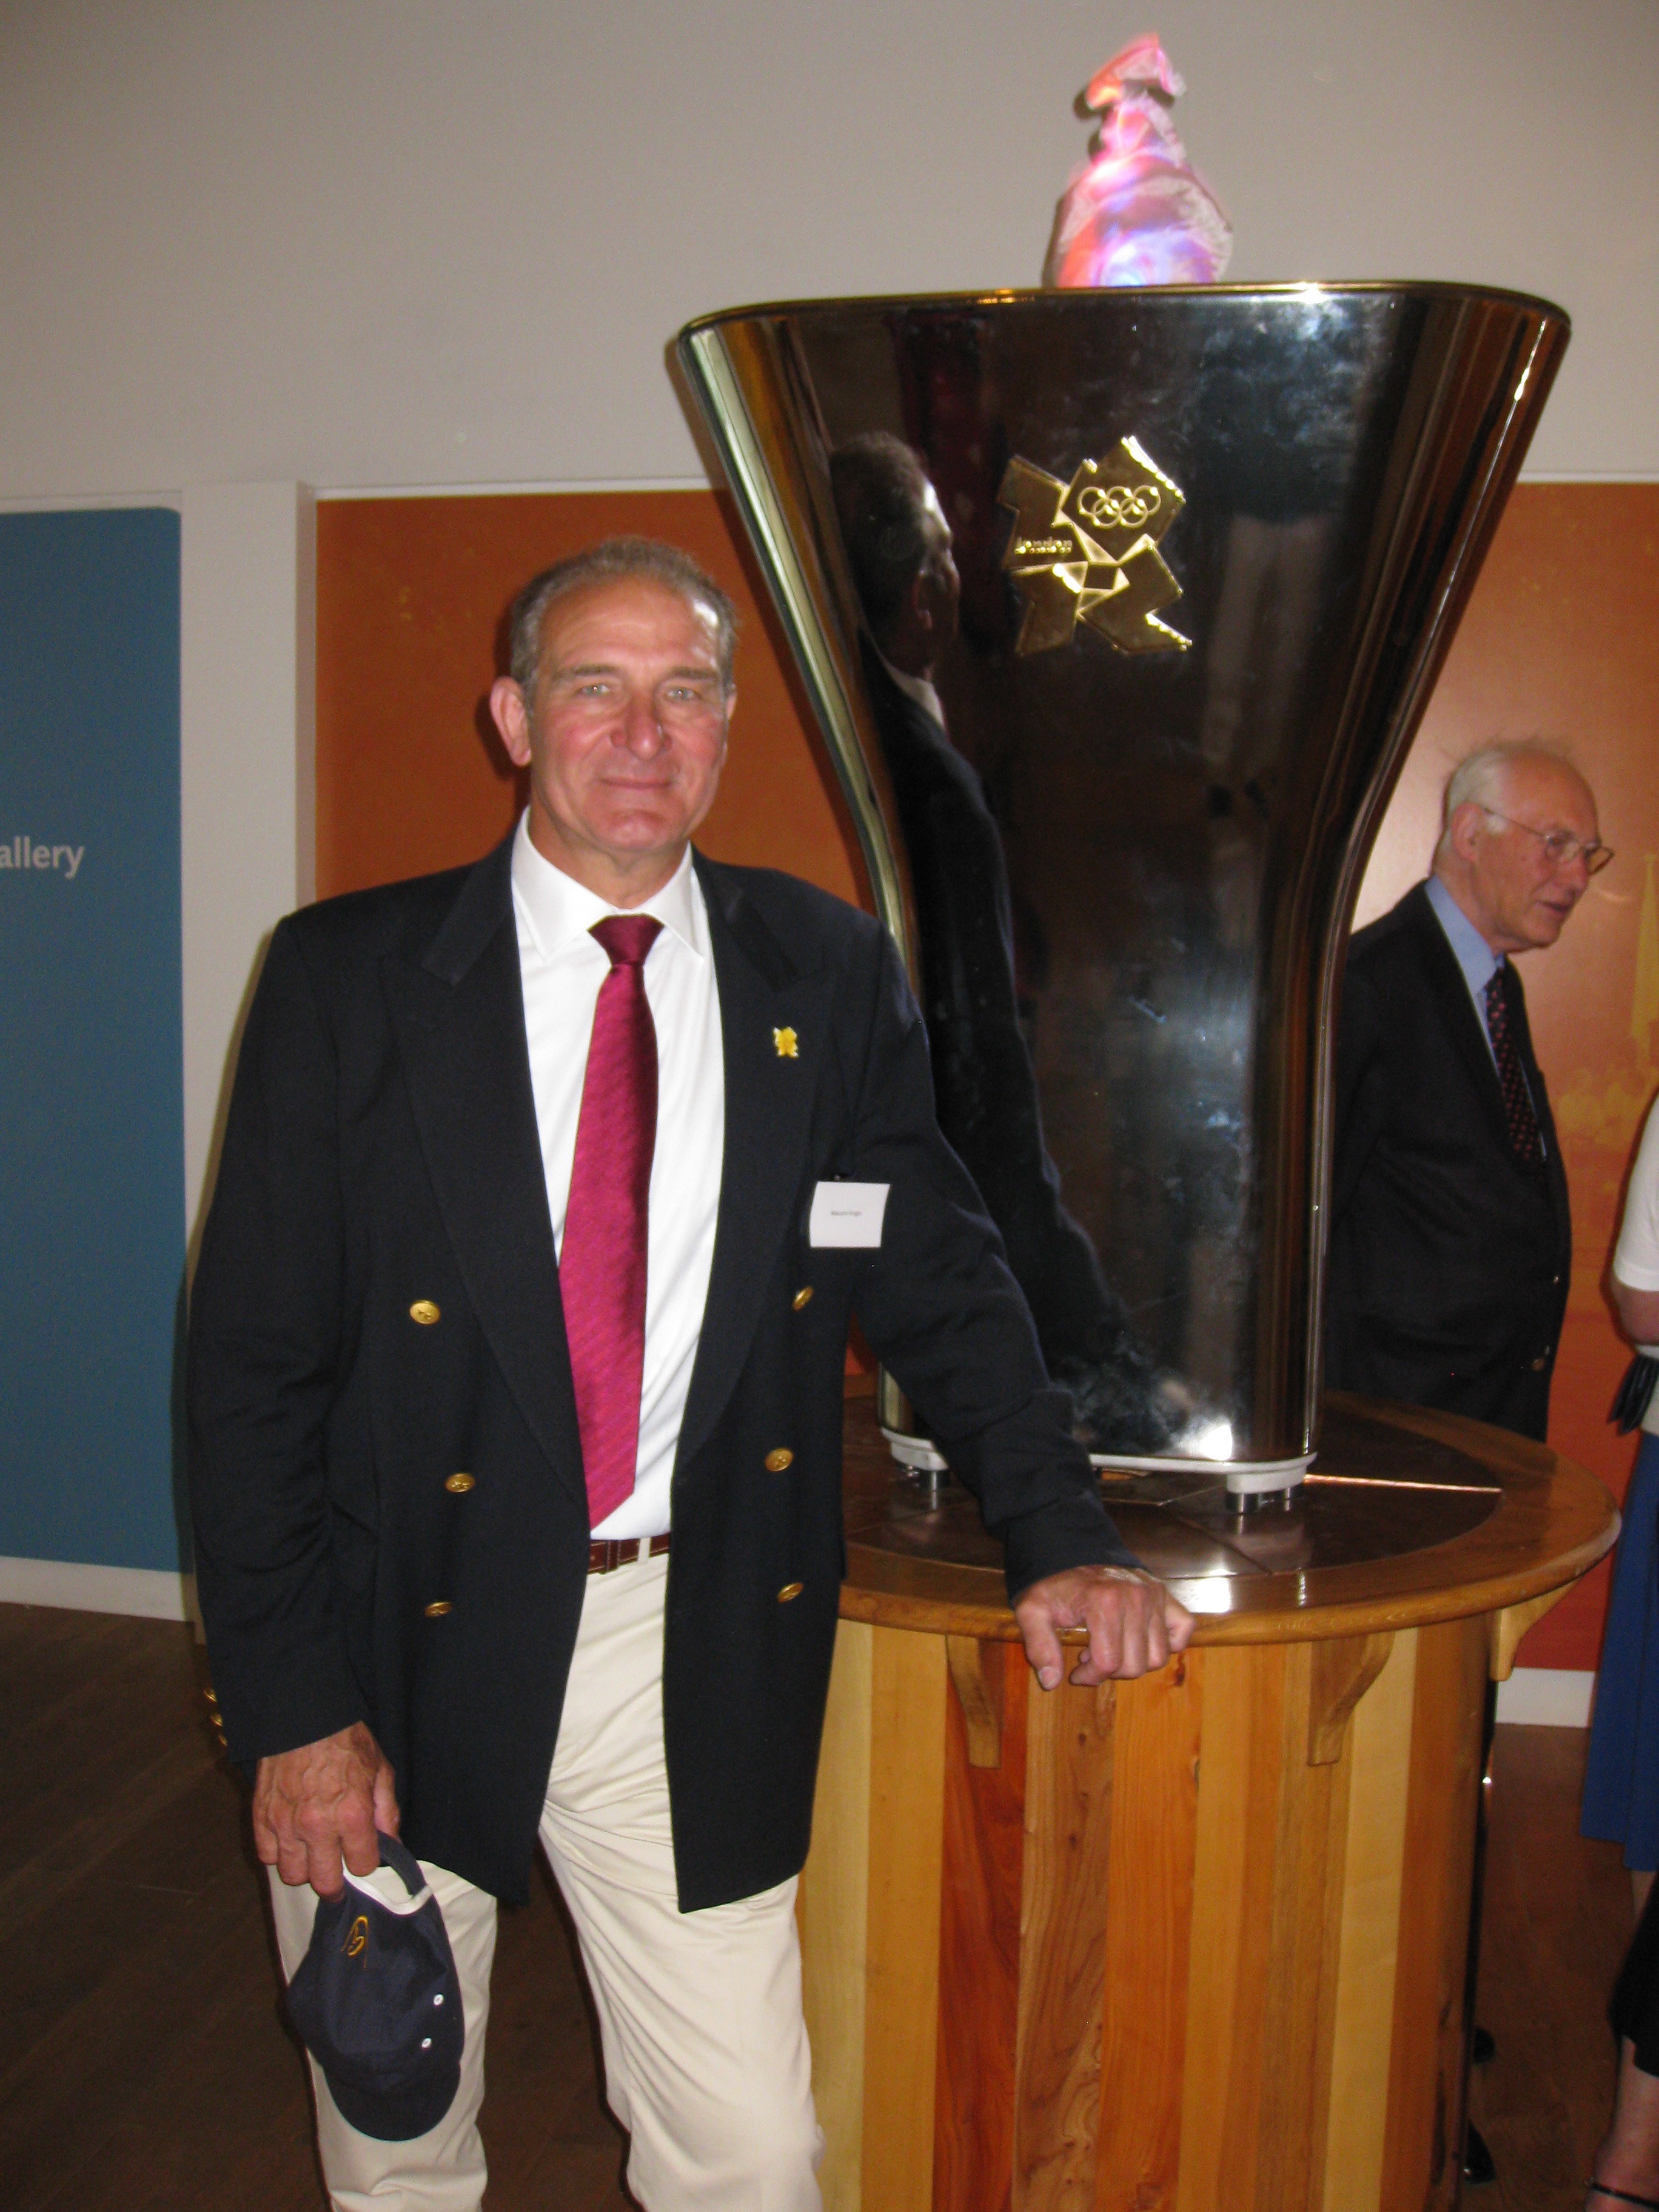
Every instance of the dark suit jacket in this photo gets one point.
(1449, 1259)
(381, 1149)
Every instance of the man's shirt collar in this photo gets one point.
(1474, 955)
(558, 912)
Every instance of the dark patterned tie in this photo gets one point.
(603, 1263)
(1525, 1142)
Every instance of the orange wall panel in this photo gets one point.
(412, 596)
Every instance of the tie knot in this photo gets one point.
(627, 938)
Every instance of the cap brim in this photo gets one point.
(395, 2116)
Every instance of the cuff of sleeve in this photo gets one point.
(1073, 1532)
(310, 1695)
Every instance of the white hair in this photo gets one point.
(1481, 778)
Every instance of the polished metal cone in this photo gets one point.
(1118, 611)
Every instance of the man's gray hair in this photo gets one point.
(1480, 778)
(616, 560)
(887, 524)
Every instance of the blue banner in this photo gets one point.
(92, 1248)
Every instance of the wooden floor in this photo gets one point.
(143, 2066)
(1557, 1919)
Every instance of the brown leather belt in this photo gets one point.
(622, 1551)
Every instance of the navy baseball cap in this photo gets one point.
(377, 2003)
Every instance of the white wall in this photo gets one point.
(391, 242)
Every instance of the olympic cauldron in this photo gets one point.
(1116, 778)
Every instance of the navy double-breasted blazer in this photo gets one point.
(380, 1151)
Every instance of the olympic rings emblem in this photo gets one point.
(1119, 506)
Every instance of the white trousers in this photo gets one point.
(705, 2060)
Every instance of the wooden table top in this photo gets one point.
(1406, 1516)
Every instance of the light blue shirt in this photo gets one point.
(1475, 956)
(1479, 962)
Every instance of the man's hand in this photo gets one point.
(312, 1805)
(1133, 1624)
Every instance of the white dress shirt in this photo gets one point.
(562, 968)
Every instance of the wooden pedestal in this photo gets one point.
(1196, 1942)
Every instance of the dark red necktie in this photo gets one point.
(1525, 1142)
(602, 1264)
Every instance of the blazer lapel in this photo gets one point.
(774, 1026)
(458, 1018)
(1555, 1172)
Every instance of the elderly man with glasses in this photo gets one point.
(1450, 1242)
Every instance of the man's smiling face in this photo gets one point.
(625, 735)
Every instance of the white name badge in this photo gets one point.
(847, 1213)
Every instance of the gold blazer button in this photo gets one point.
(777, 1461)
(789, 1590)
(423, 1311)
(460, 1484)
(802, 1297)
(438, 1608)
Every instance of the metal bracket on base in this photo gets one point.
(915, 1454)
(1264, 1483)
(1252, 1485)
(920, 1464)
(1250, 1482)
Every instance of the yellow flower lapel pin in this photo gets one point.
(786, 1043)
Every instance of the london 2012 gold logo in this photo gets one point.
(1087, 551)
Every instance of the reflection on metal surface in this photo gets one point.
(1209, 1595)
(1122, 880)
(1087, 551)
(1398, 1482)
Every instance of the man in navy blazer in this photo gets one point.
(1451, 1244)
(1450, 1240)
(403, 1595)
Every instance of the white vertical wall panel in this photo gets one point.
(248, 683)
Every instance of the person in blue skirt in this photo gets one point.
(1621, 1787)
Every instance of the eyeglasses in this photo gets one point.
(1561, 847)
